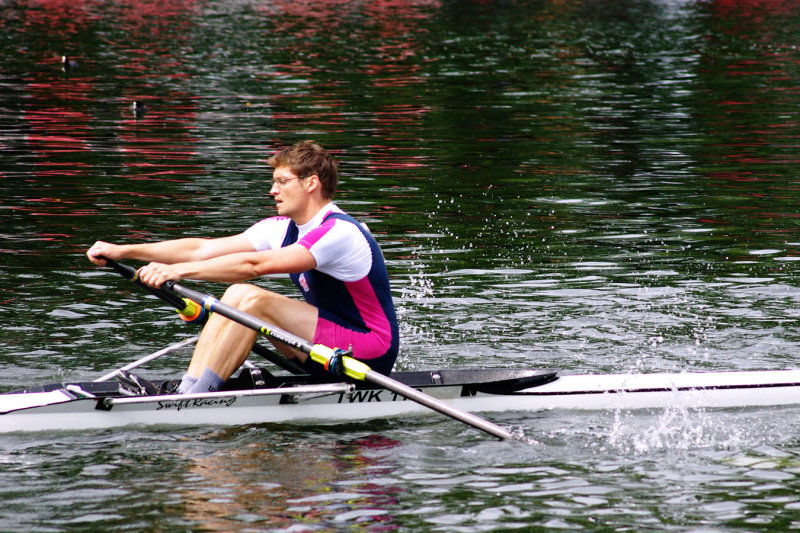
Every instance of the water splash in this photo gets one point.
(674, 428)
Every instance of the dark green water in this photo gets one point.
(594, 186)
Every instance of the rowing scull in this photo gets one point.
(286, 399)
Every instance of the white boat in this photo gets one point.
(251, 399)
(255, 396)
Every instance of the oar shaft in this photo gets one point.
(277, 359)
(180, 304)
(428, 401)
(214, 305)
(172, 293)
(148, 358)
(130, 273)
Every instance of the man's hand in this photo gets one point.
(100, 250)
(156, 274)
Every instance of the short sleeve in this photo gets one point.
(268, 234)
(340, 250)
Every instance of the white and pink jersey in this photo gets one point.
(349, 286)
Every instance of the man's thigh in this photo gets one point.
(292, 315)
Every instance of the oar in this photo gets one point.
(192, 312)
(187, 309)
(147, 358)
(324, 355)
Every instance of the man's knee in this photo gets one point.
(248, 298)
(237, 292)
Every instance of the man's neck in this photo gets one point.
(311, 210)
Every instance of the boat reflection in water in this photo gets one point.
(273, 479)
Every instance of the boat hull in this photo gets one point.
(63, 409)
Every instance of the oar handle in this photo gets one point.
(129, 273)
(188, 309)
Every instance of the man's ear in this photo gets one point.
(312, 183)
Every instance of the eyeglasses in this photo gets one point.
(280, 182)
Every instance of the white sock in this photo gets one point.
(187, 382)
(209, 381)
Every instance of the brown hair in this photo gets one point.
(307, 158)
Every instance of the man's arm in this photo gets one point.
(169, 252)
(233, 267)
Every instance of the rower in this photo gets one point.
(332, 259)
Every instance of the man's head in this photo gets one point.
(307, 158)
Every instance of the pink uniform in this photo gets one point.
(349, 286)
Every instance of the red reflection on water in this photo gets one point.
(161, 134)
(57, 129)
(395, 27)
(752, 118)
(62, 17)
(67, 126)
(754, 11)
